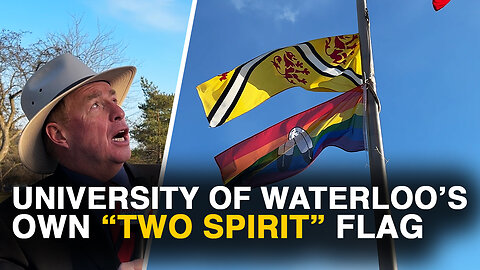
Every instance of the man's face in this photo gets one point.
(96, 130)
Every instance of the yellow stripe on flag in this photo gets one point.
(327, 64)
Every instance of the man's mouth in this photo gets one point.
(120, 136)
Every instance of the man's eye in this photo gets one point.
(95, 105)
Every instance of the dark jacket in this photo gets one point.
(96, 252)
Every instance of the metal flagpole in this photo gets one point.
(378, 175)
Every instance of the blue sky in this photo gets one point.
(426, 80)
(152, 31)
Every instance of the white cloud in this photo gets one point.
(289, 15)
(239, 4)
(279, 10)
(164, 15)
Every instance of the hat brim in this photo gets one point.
(31, 148)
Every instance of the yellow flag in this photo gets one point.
(325, 65)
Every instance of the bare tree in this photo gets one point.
(19, 62)
(15, 68)
(100, 52)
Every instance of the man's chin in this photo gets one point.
(121, 157)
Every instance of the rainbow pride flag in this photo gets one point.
(289, 147)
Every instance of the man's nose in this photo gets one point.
(116, 113)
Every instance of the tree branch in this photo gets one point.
(18, 119)
(11, 168)
(15, 135)
(13, 109)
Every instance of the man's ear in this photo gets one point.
(56, 134)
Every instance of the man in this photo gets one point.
(78, 131)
